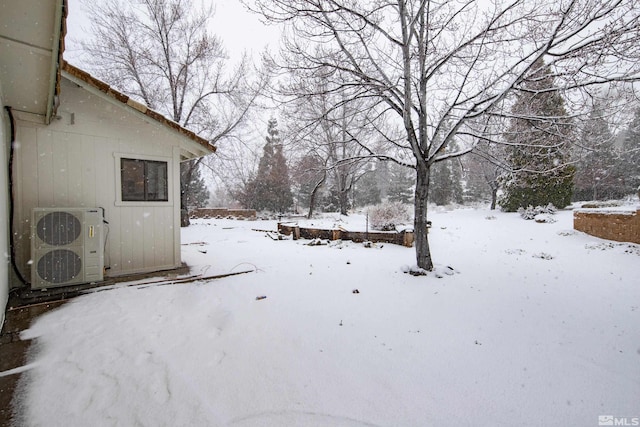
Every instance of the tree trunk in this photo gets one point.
(343, 199)
(314, 192)
(184, 217)
(312, 202)
(423, 253)
(494, 198)
(186, 169)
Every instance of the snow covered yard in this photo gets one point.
(539, 325)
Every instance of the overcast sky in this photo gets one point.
(239, 29)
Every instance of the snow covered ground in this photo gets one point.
(538, 325)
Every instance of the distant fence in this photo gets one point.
(223, 213)
(403, 238)
(621, 226)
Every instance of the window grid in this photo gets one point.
(143, 180)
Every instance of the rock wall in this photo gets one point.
(223, 213)
(404, 238)
(621, 226)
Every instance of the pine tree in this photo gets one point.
(388, 181)
(193, 191)
(630, 157)
(539, 146)
(457, 192)
(281, 190)
(271, 188)
(478, 186)
(597, 177)
(198, 193)
(401, 183)
(367, 191)
(440, 184)
(446, 181)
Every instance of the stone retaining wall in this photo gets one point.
(403, 238)
(223, 213)
(621, 226)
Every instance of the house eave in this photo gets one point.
(57, 50)
(31, 46)
(192, 146)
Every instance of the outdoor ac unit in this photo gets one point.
(67, 246)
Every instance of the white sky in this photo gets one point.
(238, 29)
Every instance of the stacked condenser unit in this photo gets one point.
(67, 247)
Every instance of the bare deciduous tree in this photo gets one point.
(330, 128)
(438, 66)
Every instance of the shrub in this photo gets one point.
(531, 212)
(387, 215)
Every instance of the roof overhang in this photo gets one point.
(191, 146)
(31, 46)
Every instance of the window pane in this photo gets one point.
(132, 177)
(144, 180)
(157, 181)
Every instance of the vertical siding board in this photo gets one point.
(26, 185)
(75, 160)
(114, 254)
(139, 243)
(27, 188)
(165, 237)
(45, 168)
(88, 171)
(148, 215)
(104, 185)
(175, 215)
(60, 168)
(124, 245)
(168, 241)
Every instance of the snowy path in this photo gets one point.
(540, 326)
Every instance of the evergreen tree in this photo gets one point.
(597, 177)
(457, 192)
(197, 195)
(271, 188)
(539, 146)
(367, 191)
(440, 184)
(478, 187)
(400, 184)
(193, 191)
(337, 197)
(630, 157)
(446, 181)
(384, 178)
(387, 182)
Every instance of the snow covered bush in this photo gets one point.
(544, 218)
(537, 212)
(387, 215)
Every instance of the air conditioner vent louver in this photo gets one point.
(66, 247)
(59, 266)
(58, 228)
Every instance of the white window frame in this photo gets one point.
(118, 162)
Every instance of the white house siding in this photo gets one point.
(4, 210)
(74, 162)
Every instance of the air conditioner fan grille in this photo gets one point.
(59, 266)
(58, 228)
